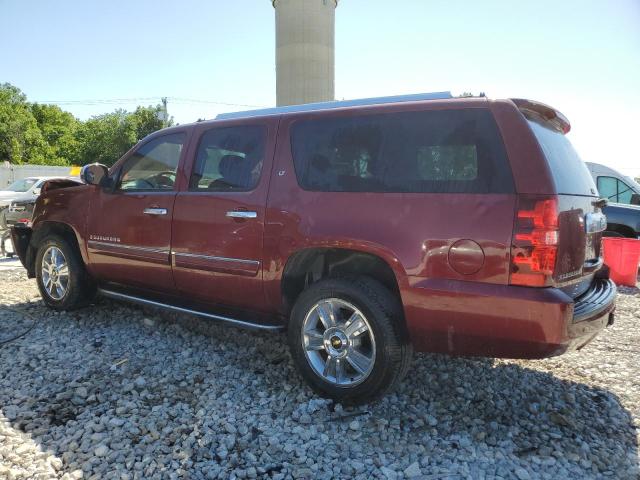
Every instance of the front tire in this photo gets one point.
(63, 281)
(348, 340)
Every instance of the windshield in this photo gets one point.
(22, 185)
(570, 173)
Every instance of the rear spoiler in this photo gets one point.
(541, 112)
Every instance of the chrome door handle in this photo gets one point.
(242, 214)
(155, 211)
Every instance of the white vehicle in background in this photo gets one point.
(22, 189)
(25, 190)
(615, 186)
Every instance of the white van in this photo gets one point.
(618, 188)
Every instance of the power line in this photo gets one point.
(123, 101)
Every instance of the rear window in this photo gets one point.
(453, 151)
(570, 174)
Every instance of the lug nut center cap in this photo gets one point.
(336, 342)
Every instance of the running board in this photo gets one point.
(218, 318)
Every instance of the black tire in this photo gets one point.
(383, 312)
(80, 288)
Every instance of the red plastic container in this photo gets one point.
(622, 255)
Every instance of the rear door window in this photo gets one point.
(453, 151)
(229, 159)
(570, 174)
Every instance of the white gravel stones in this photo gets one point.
(113, 391)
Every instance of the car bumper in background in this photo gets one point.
(467, 318)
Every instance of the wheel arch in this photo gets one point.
(42, 231)
(307, 266)
(624, 230)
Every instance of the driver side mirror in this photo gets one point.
(94, 174)
(635, 199)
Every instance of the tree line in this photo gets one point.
(42, 134)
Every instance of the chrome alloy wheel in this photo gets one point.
(338, 342)
(55, 273)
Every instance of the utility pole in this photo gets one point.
(165, 118)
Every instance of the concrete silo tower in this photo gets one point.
(304, 50)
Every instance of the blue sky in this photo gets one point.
(582, 57)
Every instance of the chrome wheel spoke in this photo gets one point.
(329, 367)
(63, 271)
(314, 341)
(339, 370)
(358, 361)
(326, 314)
(355, 326)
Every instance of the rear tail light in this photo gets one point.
(535, 241)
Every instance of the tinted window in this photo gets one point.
(570, 174)
(434, 151)
(608, 187)
(153, 165)
(615, 190)
(624, 192)
(229, 159)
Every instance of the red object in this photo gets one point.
(622, 255)
(535, 244)
(467, 267)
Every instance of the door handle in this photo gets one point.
(242, 214)
(155, 211)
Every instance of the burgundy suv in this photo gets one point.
(366, 228)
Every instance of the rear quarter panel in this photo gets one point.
(412, 232)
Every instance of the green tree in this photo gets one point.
(59, 129)
(105, 138)
(20, 138)
(149, 119)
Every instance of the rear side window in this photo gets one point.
(452, 151)
(570, 174)
(229, 159)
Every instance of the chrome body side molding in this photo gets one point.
(210, 316)
(147, 254)
(236, 266)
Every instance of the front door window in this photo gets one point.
(153, 166)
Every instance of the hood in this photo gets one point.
(622, 207)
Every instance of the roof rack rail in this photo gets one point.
(310, 107)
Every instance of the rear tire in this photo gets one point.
(348, 340)
(63, 281)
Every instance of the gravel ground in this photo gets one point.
(114, 391)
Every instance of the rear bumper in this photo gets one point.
(467, 318)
